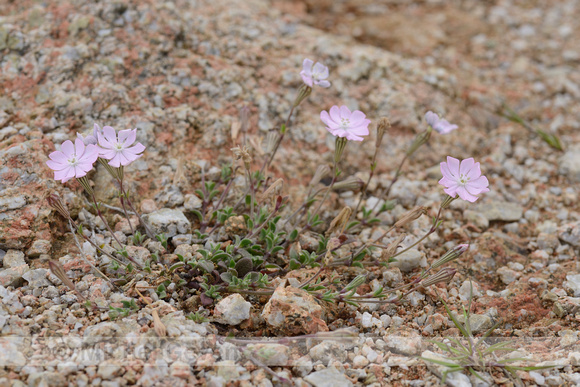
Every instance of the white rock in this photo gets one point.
(232, 310)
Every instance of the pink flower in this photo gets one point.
(122, 151)
(316, 75)
(439, 124)
(463, 179)
(72, 160)
(91, 138)
(342, 123)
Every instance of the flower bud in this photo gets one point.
(351, 183)
(451, 255)
(443, 276)
(419, 140)
(383, 125)
(355, 283)
(321, 172)
(55, 202)
(410, 216)
(57, 269)
(332, 244)
(112, 171)
(303, 93)
(392, 247)
(340, 221)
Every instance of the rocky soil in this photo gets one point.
(180, 71)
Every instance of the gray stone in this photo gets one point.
(270, 354)
(168, 221)
(477, 218)
(10, 355)
(404, 345)
(14, 258)
(12, 202)
(229, 351)
(37, 278)
(182, 239)
(232, 310)
(503, 211)
(477, 322)
(410, 260)
(303, 366)
(192, 202)
(328, 377)
(570, 233)
(39, 246)
(108, 369)
(328, 350)
(572, 284)
(507, 275)
(569, 164)
(13, 276)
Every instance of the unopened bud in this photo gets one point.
(303, 93)
(55, 202)
(419, 140)
(411, 216)
(276, 187)
(112, 171)
(86, 185)
(351, 183)
(383, 125)
(321, 172)
(272, 139)
(355, 283)
(340, 221)
(244, 119)
(451, 255)
(57, 269)
(443, 276)
(393, 246)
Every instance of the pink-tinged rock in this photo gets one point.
(13, 276)
(294, 311)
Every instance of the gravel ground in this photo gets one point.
(180, 72)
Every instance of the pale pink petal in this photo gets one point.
(324, 84)
(306, 78)
(70, 174)
(479, 183)
(466, 166)
(56, 166)
(463, 194)
(103, 142)
(110, 134)
(453, 165)
(345, 112)
(107, 153)
(474, 172)
(128, 136)
(431, 118)
(79, 148)
(68, 148)
(357, 117)
(353, 137)
(335, 114)
(115, 161)
(79, 172)
(448, 182)
(307, 65)
(60, 175)
(325, 117)
(135, 149)
(91, 153)
(96, 130)
(446, 172)
(58, 157)
(320, 69)
(452, 191)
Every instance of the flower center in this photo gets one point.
(73, 162)
(118, 147)
(345, 123)
(316, 75)
(463, 179)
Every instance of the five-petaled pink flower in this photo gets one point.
(439, 124)
(121, 151)
(73, 160)
(316, 75)
(342, 123)
(463, 179)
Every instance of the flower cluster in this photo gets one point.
(76, 160)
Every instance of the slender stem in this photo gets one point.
(364, 192)
(273, 154)
(99, 213)
(72, 230)
(126, 214)
(252, 191)
(335, 174)
(312, 278)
